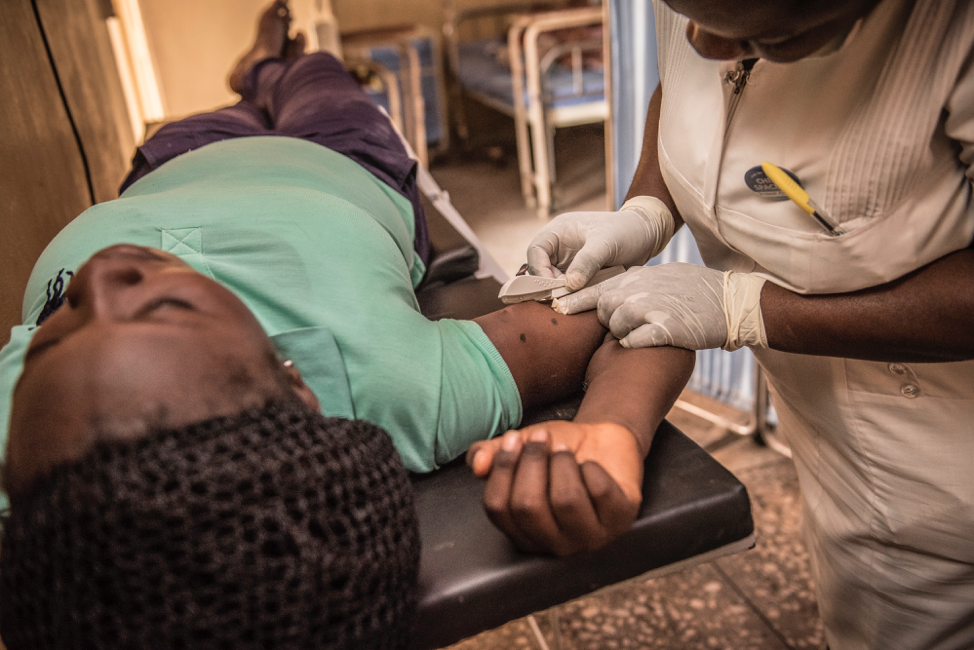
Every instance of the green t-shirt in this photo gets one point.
(322, 252)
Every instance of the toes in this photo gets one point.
(277, 12)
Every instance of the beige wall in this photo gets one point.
(195, 42)
(361, 14)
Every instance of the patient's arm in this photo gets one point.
(546, 352)
(564, 487)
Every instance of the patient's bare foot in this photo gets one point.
(294, 48)
(270, 41)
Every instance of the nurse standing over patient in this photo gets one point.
(865, 335)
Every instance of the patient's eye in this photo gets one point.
(165, 302)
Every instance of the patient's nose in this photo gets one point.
(102, 285)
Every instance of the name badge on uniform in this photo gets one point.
(758, 181)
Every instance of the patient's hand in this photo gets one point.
(561, 487)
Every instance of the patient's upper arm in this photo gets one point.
(546, 352)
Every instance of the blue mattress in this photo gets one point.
(388, 57)
(480, 71)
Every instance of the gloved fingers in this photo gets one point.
(688, 330)
(572, 506)
(576, 303)
(593, 256)
(623, 312)
(683, 300)
(539, 262)
(553, 248)
(650, 335)
(623, 288)
(497, 492)
(616, 512)
(588, 298)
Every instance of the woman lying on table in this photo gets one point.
(212, 368)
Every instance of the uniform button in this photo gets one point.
(910, 391)
(897, 368)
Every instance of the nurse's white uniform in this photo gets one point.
(879, 128)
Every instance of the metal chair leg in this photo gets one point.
(555, 628)
(533, 622)
(757, 424)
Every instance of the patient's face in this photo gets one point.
(141, 341)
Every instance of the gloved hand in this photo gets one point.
(683, 305)
(588, 241)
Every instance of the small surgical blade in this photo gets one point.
(531, 287)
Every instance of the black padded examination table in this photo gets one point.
(471, 577)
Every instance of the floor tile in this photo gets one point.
(775, 575)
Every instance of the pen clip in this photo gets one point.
(800, 197)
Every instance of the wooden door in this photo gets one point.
(65, 137)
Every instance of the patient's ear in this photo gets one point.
(305, 394)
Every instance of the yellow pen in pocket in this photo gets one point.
(797, 193)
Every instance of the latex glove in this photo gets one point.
(561, 487)
(589, 241)
(683, 305)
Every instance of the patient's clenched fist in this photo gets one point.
(561, 487)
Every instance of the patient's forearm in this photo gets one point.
(550, 355)
(634, 388)
(546, 352)
(563, 487)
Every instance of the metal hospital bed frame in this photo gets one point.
(396, 55)
(471, 577)
(536, 92)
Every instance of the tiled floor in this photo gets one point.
(759, 599)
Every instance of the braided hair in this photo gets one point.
(274, 528)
